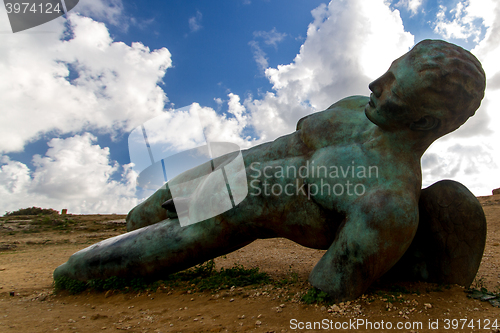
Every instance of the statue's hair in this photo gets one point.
(454, 75)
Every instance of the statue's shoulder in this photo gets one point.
(352, 103)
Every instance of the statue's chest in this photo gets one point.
(337, 176)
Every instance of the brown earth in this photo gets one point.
(31, 248)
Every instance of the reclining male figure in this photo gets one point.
(428, 92)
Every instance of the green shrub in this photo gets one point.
(32, 211)
(315, 295)
(71, 285)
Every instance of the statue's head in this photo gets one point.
(435, 88)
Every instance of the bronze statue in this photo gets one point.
(347, 180)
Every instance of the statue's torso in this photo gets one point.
(312, 178)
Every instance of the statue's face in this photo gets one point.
(396, 95)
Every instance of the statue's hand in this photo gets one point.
(149, 211)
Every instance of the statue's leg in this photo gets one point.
(450, 239)
(155, 251)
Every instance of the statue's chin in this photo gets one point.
(368, 108)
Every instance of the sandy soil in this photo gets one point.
(27, 303)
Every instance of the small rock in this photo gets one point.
(428, 305)
(97, 316)
(335, 308)
(258, 322)
(231, 300)
(108, 293)
(71, 321)
(323, 308)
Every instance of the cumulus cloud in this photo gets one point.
(88, 82)
(469, 154)
(474, 165)
(195, 22)
(340, 56)
(465, 20)
(75, 173)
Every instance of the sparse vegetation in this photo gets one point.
(201, 277)
(28, 224)
(32, 211)
(479, 291)
(314, 295)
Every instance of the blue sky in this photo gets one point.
(73, 89)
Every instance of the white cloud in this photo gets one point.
(470, 155)
(341, 55)
(467, 19)
(473, 163)
(195, 22)
(410, 5)
(75, 173)
(116, 89)
(259, 55)
(271, 37)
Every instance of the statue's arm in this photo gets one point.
(374, 236)
(150, 211)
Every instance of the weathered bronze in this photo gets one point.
(347, 180)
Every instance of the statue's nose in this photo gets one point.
(378, 85)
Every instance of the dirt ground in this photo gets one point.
(30, 249)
